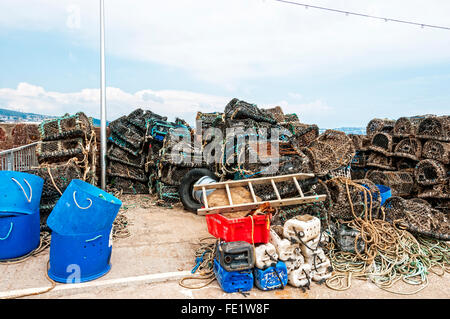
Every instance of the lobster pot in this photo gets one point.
(124, 145)
(302, 134)
(277, 113)
(83, 208)
(360, 142)
(403, 163)
(208, 123)
(20, 192)
(400, 183)
(435, 128)
(60, 150)
(19, 234)
(236, 110)
(117, 154)
(419, 217)
(360, 159)
(127, 131)
(117, 169)
(168, 194)
(379, 125)
(441, 191)
(437, 150)
(79, 258)
(430, 172)
(407, 126)
(67, 126)
(274, 277)
(140, 118)
(127, 186)
(409, 148)
(291, 118)
(382, 143)
(379, 160)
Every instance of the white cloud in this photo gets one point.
(184, 104)
(230, 41)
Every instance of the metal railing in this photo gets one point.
(19, 159)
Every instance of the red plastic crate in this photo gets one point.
(240, 229)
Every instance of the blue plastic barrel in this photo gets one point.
(80, 258)
(269, 279)
(385, 192)
(233, 281)
(20, 192)
(19, 234)
(83, 208)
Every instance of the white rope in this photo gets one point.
(90, 204)
(31, 190)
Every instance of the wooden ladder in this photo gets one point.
(301, 199)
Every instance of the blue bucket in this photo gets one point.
(20, 192)
(269, 278)
(233, 281)
(80, 258)
(83, 208)
(385, 192)
(19, 234)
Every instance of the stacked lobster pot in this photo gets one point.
(298, 245)
(411, 156)
(67, 151)
(127, 153)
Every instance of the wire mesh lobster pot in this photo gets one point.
(435, 127)
(382, 143)
(407, 126)
(67, 126)
(361, 142)
(172, 174)
(379, 160)
(167, 194)
(401, 183)
(128, 172)
(418, 216)
(277, 113)
(430, 172)
(410, 148)
(205, 121)
(127, 186)
(404, 163)
(130, 148)
(59, 150)
(117, 154)
(127, 131)
(435, 191)
(360, 159)
(237, 109)
(346, 203)
(379, 125)
(291, 118)
(437, 150)
(140, 118)
(303, 134)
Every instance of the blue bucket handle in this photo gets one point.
(9, 233)
(75, 201)
(23, 190)
(92, 239)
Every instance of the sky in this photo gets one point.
(179, 57)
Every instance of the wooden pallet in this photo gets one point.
(302, 199)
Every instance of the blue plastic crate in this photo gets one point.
(233, 281)
(269, 279)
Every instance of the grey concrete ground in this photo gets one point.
(149, 263)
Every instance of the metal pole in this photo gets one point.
(102, 97)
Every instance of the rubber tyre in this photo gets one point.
(187, 183)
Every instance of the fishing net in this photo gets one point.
(409, 148)
(237, 109)
(382, 142)
(60, 150)
(401, 183)
(331, 150)
(349, 199)
(140, 118)
(67, 126)
(379, 160)
(117, 154)
(118, 169)
(430, 172)
(435, 191)
(437, 150)
(360, 142)
(418, 217)
(127, 186)
(379, 125)
(435, 127)
(127, 131)
(407, 126)
(302, 134)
